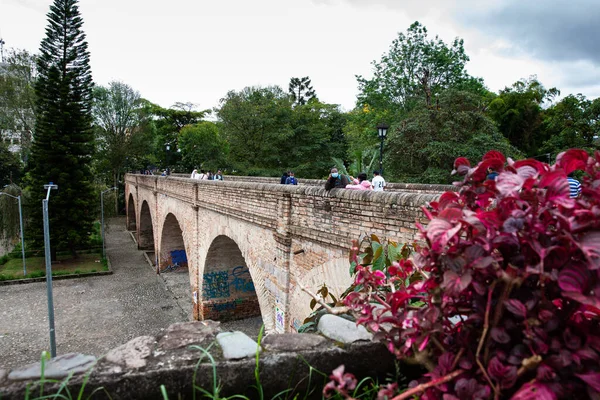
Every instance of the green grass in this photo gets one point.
(13, 269)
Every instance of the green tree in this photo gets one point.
(17, 96)
(202, 147)
(414, 70)
(119, 121)
(317, 137)
(10, 165)
(573, 122)
(256, 124)
(301, 90)
(168, 122)
(519, 115)
(63, 142)
(425, 145)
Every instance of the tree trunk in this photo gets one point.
(116, 193)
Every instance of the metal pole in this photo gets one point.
(102, 222)
(22, 238)
(49, 277)
(381, 157)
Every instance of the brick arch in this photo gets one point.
(255, 263)
(146, 228)
(334, 273)
(171, 241)
(228, 292)
(131, 213)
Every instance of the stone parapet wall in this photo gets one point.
(137, 369)
(391, 186)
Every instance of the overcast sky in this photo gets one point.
(197, 50)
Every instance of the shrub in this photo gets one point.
(503, 299)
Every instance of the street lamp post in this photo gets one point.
(167, 149)
(102, 218)
(381, 132)
(21, 227)
(49, 187)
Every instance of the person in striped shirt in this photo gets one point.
(574, 187)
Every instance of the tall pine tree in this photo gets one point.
(63, 141)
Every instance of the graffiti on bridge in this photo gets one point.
(216, 285)
(242, 282)
(220, 284)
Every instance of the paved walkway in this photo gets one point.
(92, 314)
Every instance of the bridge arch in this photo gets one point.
(131, 220)
(172, 244)
(228, 291)
(334, 273)
(146, 232)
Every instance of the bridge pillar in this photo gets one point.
(283, 249)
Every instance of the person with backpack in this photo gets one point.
(291, 180)
(336, 180)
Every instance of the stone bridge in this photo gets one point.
(248, 247)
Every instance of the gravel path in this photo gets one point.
(92, 315)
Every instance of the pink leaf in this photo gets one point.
(455, 283)
(592, 379)
(534, 391)
(508, 183)
(516, 307)
(590, 245)
(572, 160)
(573, 279)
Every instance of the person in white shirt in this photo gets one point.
(203, 176)
(378, 182)
(194, 173)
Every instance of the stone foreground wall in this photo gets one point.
(137, 369)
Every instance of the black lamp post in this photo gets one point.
(167, 148)
(381, 132)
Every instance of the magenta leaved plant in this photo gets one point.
(502, 301)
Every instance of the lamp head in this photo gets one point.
(51, 186)
(382, 130)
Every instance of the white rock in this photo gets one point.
(342, 330)
(236, 345)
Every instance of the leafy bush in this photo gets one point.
(503, 300)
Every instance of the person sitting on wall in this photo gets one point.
(194, 173)
(284, 177)
(336, 180)
(218, 176)
(361, 183)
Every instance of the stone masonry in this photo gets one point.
(252, 246)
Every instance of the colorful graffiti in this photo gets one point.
(220, 284)
(242, 282)
(216, 285)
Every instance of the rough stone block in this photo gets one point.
(289, 342)
(342, 330)
(132, 354)
(187, 333)
(57, 368)
(236, 345)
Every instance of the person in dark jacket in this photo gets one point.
(336, 180)
(291, 180)
(284, 177)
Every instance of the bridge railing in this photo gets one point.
(333, 217)
(391, 186)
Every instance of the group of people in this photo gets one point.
(337, 180)
(207, 175)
